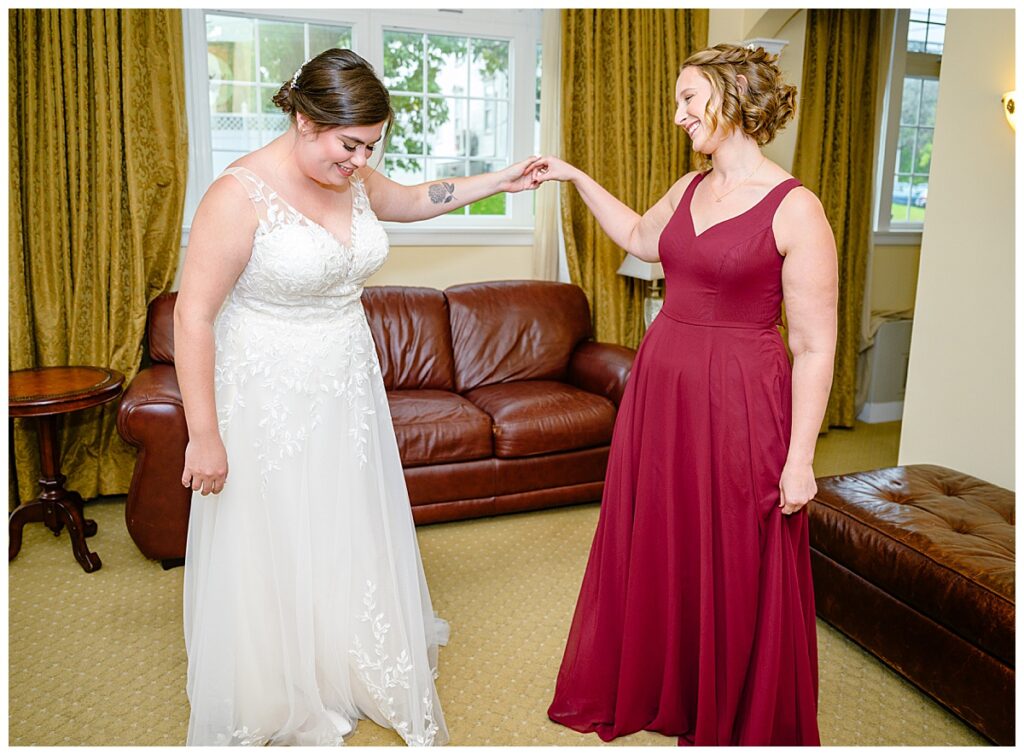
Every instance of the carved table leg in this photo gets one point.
(55, 506)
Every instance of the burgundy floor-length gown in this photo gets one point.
(696, 614)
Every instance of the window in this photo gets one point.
(451, 99)
(911, 100)
(454, 82)
(247, 60)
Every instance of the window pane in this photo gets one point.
(404, 170)
(282, 50)
(911, 101)
(536, 114)
(403, 61)
(231, 46)
(918, 14)
(490, 68)
(917, 34)
(447, 134)
(493, 205)
(905, 150)
(488, 128)
(441, 168)
(901, 193)
(407, 133)
(929, 101)
(937, 15)
(936, 38)
(232, 98)
(924, 151)
(918, 199)
(325, 37)
(447, 65)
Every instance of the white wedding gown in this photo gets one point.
(306, 607)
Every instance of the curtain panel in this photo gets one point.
(98, 159)
(619, 68)
(835, 158)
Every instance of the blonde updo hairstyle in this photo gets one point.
(763, 109)
(337, 88)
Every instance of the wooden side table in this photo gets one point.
(46, 393)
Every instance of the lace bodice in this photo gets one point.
(299, 268)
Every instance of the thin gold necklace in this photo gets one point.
(749, 176)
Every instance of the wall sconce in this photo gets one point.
(652, 272)
(1010, 108)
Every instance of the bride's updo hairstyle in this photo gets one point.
(766, 105)
(336, 88)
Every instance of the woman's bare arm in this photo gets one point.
(810, 288)
(219, 246)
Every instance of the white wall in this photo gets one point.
(959, 406)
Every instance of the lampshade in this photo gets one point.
(634, 267)
(1010, 108)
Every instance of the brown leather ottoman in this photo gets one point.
(916, 564)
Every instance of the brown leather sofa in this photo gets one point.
(500, 401)
(916, 564)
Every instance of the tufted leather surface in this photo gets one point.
(939, 540)
(534, 417)
(515, 330)
(436, 427)
(410, 330)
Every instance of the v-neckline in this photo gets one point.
(758, 203)
(307, 218)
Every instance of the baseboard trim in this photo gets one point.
(889, 411)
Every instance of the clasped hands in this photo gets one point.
(533, 171)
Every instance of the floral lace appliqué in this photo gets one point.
(382, 674)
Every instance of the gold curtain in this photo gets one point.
(98, 158)
(835, 157)
(619, 68)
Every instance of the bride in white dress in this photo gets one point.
(305, 603)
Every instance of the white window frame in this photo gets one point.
(520, 27)
(901, 64)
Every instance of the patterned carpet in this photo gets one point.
(98, 659)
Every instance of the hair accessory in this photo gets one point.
(295, 78)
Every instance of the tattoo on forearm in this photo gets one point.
(441, 193)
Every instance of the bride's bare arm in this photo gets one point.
(401, 203)
(219, 245)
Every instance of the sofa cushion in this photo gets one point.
(434, 427)
(412, 335)
(515, 330)
(542, 416)
(938, 540)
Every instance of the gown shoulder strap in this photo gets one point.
(267, 204)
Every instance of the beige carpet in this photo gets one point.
(98, 659)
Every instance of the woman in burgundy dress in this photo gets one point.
(696, 614)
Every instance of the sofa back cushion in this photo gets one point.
(515, 330)
(160, 328)
(410, 329)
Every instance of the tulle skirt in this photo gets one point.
(305, 602)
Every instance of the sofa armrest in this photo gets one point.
(601, 368)
(154, 391)
(152, 419)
